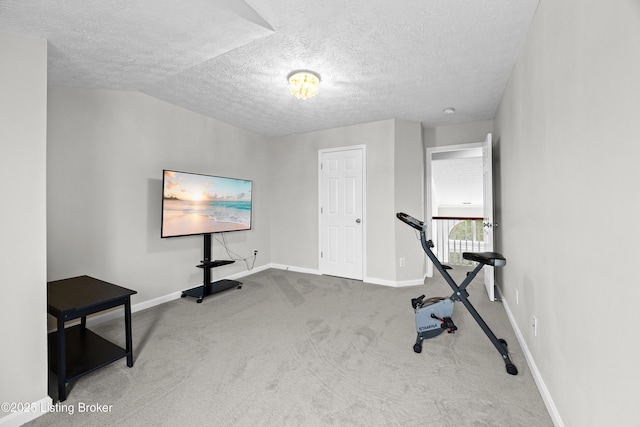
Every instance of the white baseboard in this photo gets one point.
(156, 301)
(372, 280)
(393, 283)
(295, 269)
(542, 388)
(24, 415)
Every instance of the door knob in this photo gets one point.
(358, 221)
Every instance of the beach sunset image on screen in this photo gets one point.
(199, 204)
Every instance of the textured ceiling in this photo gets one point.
(228, 59)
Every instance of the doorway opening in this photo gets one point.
(459, 203)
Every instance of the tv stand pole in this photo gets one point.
(208, 287)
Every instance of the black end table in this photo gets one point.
(76, 351)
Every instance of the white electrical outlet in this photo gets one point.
(402, 263)
(534, 325)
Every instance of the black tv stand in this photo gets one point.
(208, 287)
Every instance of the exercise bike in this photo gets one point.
(433, 315)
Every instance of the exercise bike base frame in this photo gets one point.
(459, 292)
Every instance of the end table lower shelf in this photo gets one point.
(85, 352)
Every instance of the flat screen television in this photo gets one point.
(194, 204)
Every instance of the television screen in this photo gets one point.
(201, 204)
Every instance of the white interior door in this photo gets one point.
(488, 220)
(341, 212)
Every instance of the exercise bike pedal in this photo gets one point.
(448, 325)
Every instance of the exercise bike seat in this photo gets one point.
(488, 258)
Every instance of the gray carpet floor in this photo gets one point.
(293, 349)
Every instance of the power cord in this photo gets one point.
(234, 256)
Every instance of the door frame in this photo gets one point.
(489, 222)
(321, 152)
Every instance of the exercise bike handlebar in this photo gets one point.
(422, 228)
(409, 220)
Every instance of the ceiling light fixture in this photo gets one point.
(449, 110)
(303, 83)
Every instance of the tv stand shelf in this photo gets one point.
(208, 287)
(212, 288)
(214, 264)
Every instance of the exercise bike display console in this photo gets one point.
(433, 315)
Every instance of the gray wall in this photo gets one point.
(23, 278)
(409, 198)
(295, 199)
(457, 134)
(567, 131)
(106, 152)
